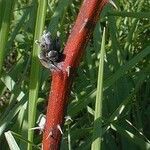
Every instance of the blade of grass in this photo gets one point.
(117, 50)
(2, 6)
(133, 29)
(14, 86)
(11, 141)
(5, 30)
(109, 81)
(123, 69)
(140, 133)
(11, 114)
(90, 64)
(17, 28)
(24, 140)
(97, 131)
(35, 69)
(131, 137)
(57, 16)
(115, 115)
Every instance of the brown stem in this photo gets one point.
(62, 79)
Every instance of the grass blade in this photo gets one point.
(11, 141)
(133, 138)
(123, 69)
(35, 69)
(5, 30)
(97, 131)
(62, 5)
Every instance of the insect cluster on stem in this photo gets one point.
(50, 55)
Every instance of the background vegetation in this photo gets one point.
(125, 92)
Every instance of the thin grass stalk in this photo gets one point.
(97, 130)
(1, 11)
(69, 139)
(5, 26)
(35, 69)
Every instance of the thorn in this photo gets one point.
(38, 128)
(68, 118)
(83, 25)
(53, 131)
(41, 129)
(50, 134)
(59, 128)
(113, 4)
(68, 70)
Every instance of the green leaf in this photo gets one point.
(11, 141)
(35, 69)
(131, 137)
(97, 130)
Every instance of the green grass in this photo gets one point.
(121, 101)
(5, 27)
(35, 73)
(97, 130)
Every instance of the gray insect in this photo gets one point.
(50, 55)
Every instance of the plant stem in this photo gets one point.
(35, 69)
(62, 79)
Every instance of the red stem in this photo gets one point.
(62, 80)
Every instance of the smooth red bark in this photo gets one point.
(62, 80)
